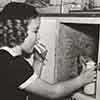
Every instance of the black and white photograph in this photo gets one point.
(49, 49)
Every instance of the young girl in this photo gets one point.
(19, 24)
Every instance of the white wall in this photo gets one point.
(47, 36)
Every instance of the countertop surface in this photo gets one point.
(85, 17)
(55, 11)
(73, 14)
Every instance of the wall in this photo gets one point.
(74, 40)
(47, 36)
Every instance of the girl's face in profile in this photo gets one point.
(33, 35)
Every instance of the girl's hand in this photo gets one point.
(88, 75)
(37, 57)
(40, 51)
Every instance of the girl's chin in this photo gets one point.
(29, 51)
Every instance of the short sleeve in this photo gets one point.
(19, 71)
(29, 81)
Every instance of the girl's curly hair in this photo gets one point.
(13, 23)
(12, 32)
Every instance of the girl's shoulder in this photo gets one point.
(4, 53)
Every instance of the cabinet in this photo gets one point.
(65, 38)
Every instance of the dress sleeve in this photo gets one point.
(29, 81)
(19, 72)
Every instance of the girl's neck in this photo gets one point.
(17, 50)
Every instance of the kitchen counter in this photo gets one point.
(55, 11)
(76, 16)
(65, 18)
(72, 14)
